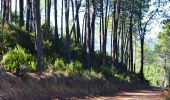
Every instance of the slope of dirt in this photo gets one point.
(46, 86)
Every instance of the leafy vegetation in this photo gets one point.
(18, 58)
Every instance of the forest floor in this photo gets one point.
(47, 86)
(147, 94)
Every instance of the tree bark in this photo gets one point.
(21, 4)
(48, 12)
(28, 15)
(62, 10)
(56, 25)
(93, 28)
(68, 44)
(39, 36)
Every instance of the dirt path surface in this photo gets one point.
(150, 94)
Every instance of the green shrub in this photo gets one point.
(13, 35)
(18, 57)
(74, 68)
(91, 74)
(155, 73)
(128, 76)
(106, 70)
(59, 65)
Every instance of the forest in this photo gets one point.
(86, 47)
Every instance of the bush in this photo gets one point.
(59, 64)
(128, 76)
(74, 68)
(155, 73)
(18, 57)
(91, 74)
(106, 70)
(13, 35)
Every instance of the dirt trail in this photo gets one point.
(150, 94)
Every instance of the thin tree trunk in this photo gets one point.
(131, 41)
(93, 28)
(21, 4)
(48, 12)
(39, 36)
(88, 34)
(142, 58)
(62, 10)
(77, 21)
(68, 44)
(28, 15)
(56, 25)
(16, 1)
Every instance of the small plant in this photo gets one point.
(91, 74)
(18, 58)
(106, 70)
(74, 68)
(59, 64)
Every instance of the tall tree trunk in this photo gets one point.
(100, 31)
(45, 10)
(56, 25)
(73, 27)
(21, 5)
(39, 36)
(68, 44)
(122, 41)
(16, 1)
(88, 34)
(131, 40)
(31, 16)
(105, 33)
(77, 21)
(93, 28)
(10, 10)
(5, 12)
(62, 10)
(28, 15)
(142, 59)
(48, 12)
(116, 20)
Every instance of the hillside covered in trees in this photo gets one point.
(65, 48)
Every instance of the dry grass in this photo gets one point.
(47, 86)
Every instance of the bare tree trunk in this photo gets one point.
(45, 10)
(93, 28)
(131, 41)
(16, 1)
(56, 25)
(78, 4)
(5, 12)
(28, 15)
(21, 4)
(88, 34)
(68, 44)
(142, 59)
(116, 20)
(39, 36)
(62, 10)
(48, 12)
